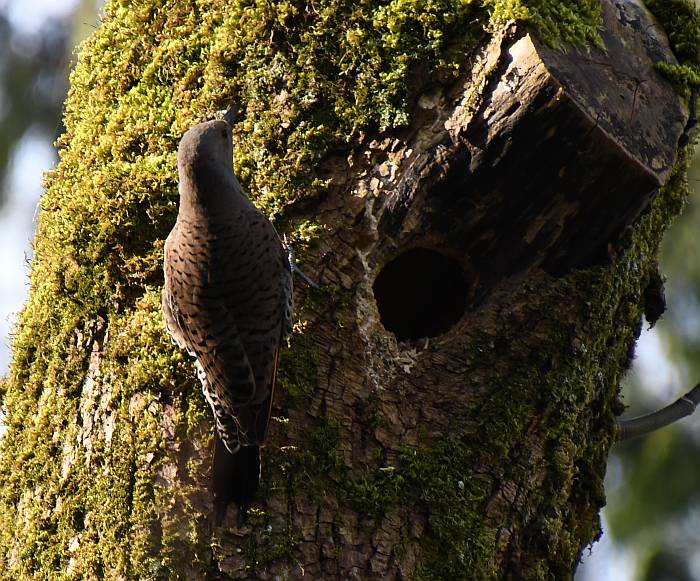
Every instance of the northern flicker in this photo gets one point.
(227, 300)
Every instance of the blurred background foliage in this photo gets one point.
(31, 85)
(34, 62)
(652, 521)
(37, 40)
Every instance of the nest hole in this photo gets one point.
(421, 293)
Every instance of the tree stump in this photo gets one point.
(447, 404)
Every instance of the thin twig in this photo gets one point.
(682, 407)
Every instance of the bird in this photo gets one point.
(228, 301)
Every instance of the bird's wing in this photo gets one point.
(260, 299)
(226, 373)
(208, 330)
(173, 321)
(171, 314)
(264, 411)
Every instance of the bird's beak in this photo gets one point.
(231, 115)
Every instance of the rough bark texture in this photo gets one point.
(537, 182)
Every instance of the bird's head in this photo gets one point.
(205, 146)
(205, 162)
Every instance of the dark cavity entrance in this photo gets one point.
(421, 293)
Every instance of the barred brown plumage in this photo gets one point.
(227, 300)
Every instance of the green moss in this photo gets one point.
(680, 20)
(684, 77)
(297, 373)
(577, 21)
(312, 81)
(460, 541)
(432, 480)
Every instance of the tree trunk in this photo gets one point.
(447, 403)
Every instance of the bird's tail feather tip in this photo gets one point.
(236, 479)
(221, 509)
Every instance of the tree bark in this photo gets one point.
(447, 403)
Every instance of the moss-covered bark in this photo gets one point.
(104, 465)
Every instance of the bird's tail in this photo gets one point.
(236, 479)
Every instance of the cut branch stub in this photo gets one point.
(563, 151)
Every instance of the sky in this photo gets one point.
(33, 157)
(27, 16)
(30, 160)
